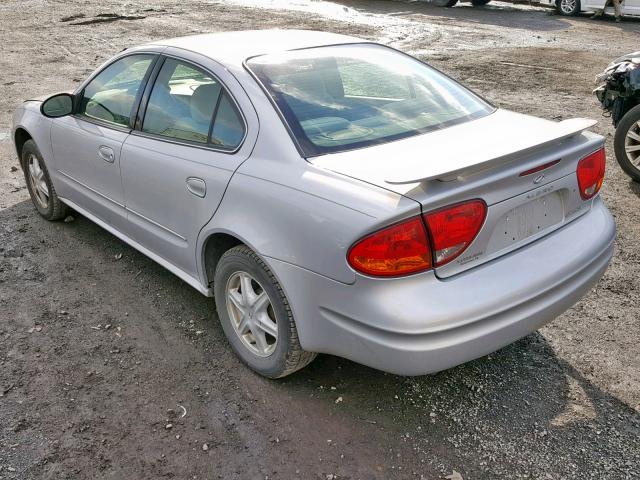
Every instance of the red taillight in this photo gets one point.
(454, 228)
(397, 250)
(590, 173)
(405, 248)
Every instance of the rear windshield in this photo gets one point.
(343, 97)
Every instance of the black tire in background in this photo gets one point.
(568, 8)
(479, 3)
(627, 129)
(287, 355)
(444, 3)
(53, 208)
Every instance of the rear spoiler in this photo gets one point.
(476, 153)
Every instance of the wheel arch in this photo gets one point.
(214, 246)
(628, 104)
(20, 137)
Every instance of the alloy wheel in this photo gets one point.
(568, 7)
(632, 145)
(251, 314)
(36, 179)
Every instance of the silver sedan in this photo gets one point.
(334, 195)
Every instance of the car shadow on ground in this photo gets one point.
(635, 188)
(522, 402)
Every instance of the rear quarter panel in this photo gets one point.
(310, 224)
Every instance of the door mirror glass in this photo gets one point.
(58, 105)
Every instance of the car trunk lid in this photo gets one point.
(522, 167)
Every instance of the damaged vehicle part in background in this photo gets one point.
(342, 197)
(618, 91)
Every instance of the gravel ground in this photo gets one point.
(113, 368)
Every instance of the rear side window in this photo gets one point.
(228, 129)
(187, 103)
(110, 96)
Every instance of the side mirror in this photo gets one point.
(58, 105)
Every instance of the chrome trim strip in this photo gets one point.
(101, 123)
(156, 224)
(91, 189)
(184, 143)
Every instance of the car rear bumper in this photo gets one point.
(420, 324)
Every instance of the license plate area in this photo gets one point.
(548, 207)
(527, 220)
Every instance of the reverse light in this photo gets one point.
(590, 173)
(400, 249)
(408, 247)
(453, 229)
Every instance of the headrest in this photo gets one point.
(203, 101)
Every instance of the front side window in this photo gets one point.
(186, 103)
(111, 95)
(342, 97)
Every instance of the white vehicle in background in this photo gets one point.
(574, 7)
(567, 8)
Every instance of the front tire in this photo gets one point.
(43, 194)
(568, 8)
(255, 315)
(626, 143)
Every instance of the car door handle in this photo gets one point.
(197, 186)
(106, 153)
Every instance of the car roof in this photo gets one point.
(235, 47)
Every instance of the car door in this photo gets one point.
(176, 165)
(592, 4)
(631, 7)
(87, 145)
(628, 7)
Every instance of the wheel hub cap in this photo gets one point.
(36, 179)
(567, 6)
(632, 145)
(251, 314)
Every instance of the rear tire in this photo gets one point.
(568, 8)
(264, 337)
(628, 135)
(43, 194)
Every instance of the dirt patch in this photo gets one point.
(105, 18)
